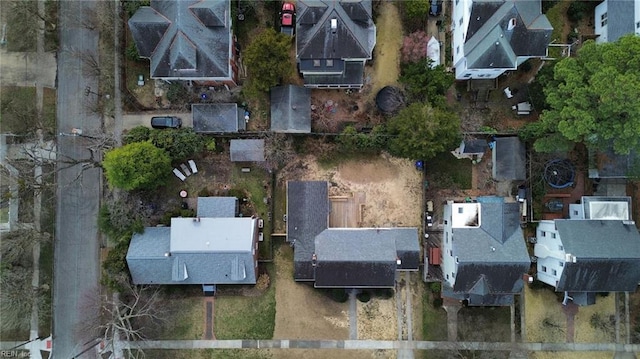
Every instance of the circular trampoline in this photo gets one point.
(559, 173)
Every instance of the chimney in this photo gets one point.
(334, 25)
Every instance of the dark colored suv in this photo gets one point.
(166, 122)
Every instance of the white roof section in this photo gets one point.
(433, 51)
(607, 208)
(189, 235)
(465, 215)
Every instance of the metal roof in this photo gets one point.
(212, 234)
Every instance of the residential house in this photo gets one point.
(215, 247)
(218, 118)
(187, 40)
(596, 250)
(290, 109)
(334, 40)
(251, 150)
(484, 255)
(625, 19)
(492, 37)
(343, 257)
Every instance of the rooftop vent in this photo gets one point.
(512, 23)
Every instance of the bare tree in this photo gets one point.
(125, 316)
(278, 150)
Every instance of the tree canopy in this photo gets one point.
(179, 143)
(267, 59)
(421, 131)
(138, 165)
(594, 96)
(425, 83)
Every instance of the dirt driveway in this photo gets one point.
(386, 67)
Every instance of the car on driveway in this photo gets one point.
(161, 122)
(287, 18)
(436, 7)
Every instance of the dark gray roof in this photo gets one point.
(355, 258)
(509, 159)
(148, 263)
(492, 257)
(307, 216)
(607, 255)
(247, 150)
(291, 109)
(352, 77)
(621, 15)
(217, 118)
(215, 207)
(187, 39)
(490, 44)
(475, 146)
(353, 38)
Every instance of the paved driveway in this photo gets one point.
(132, 120)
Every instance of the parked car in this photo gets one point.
(287, 18)
(166, 122)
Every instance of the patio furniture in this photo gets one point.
(185, 169)
(179, 174)
(192, 164)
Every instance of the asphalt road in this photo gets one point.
(76, 246)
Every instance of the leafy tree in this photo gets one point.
(421, 131)
(424, 83)
(139, 165)
(267, 59)
(137, 134)
(594, 98)
(416, 12)
(180, 143)
(351, 140)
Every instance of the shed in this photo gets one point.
(291, 109)
(247, 150)
(471, 148)
(217, 118)
(509, 159)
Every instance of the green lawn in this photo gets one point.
(256, 184)
(556, 16)
(434, 320)
(4, 215)
(244, 317)
(446, 171)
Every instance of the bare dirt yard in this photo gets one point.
(392, 186)
(386, 67)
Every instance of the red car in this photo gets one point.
(287, 18)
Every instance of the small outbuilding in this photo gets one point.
(247, 150)
(218, 118)
(291, 109)
(509, 159)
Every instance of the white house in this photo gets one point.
(492, 37)
(596, 250)
(625, 19)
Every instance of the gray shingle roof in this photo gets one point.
(216, 249)
(148, 263)
(490, 44)
(247, 150)
(353, 38)
(509, 159)
(188, 39)
(214, 207)
(610, 164)
(494, 254)
(307, 216)
(607, 255)
(217, 118)
(475, 146)
(291, 109)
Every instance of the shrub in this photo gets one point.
(131, 52)
(435, 287)
(437, 302)
(137, 134)
(364, 296)
(339, 295)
